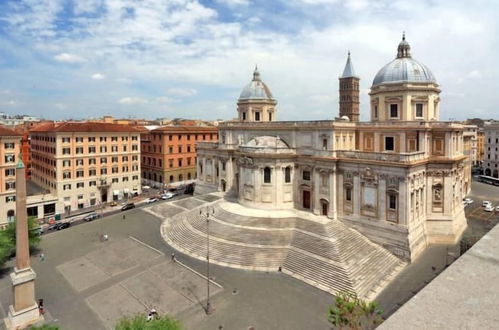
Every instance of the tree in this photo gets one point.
(351, 312)
(139, 322)
(8, 239)
(44, 327)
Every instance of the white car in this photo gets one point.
(497, 208)
(168, 195)
(468, 201)
(489, 208)
(151, 200)
(486, 203)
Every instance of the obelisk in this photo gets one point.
(24, 311)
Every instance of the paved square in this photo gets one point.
(166, 209)
(208, 198)
(112, 303)
(82, 274)
(189, 203)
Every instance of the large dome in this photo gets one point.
(256, 89)
(404, 69)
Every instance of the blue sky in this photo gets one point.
(183, 58)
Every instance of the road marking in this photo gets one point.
(146, 245)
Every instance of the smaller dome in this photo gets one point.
(256, 89)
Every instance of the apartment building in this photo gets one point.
(9, 151)
(85, 164)
(169, 153)
(491, 149)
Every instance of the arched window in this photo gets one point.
(287, 174)
(267, 175)
(11, 215)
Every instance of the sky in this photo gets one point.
(62, 59)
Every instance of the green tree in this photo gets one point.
(8, 239)
(139, 322)
(351, 312)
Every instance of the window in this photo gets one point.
(79, 139)
(115, 180)
(114, 170)
(223, 164)
(124, 138)
(10, 158)
(10, 172)
(66, 151)
(135, 137)
(170, 137)
(124, 169)
(79, 150)
(389, 143)
(9, 145)
(92, 172)
(66, 187)
(124, 147)
(392, 202)
(80, 185)
(306, 175)
(92, 161)
(135, 158)
(287, 174)
(135, 177)
(91, 139)
(170, 162)
(179, 149)
(348, 194)
(419, 110)
(114, 159)
(170, 149)
(394, 111)
(114, 148)
(11, 215)
(103, 149)
(244, 115)
(103, 160)
(270, 116)
(375, 111)
(114, 138)
(257, 116)
(79, 174)
(92, 183)
(66, 163)
(180, 163)
(103, 171)
(10, 185)
(9, 199)
(324, 144)
(66, 139)
(188, 148)
(80, 196)
(91, 150)
(66, 175)
(124, 159)
(124, 179)
(103, 139)
(135, 147)
(79, 162)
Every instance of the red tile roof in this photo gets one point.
(4, 131)
(183, 129)
(90, 127)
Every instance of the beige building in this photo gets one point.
(398, 179)
(491, 152)
(10, 149)
(84, 164)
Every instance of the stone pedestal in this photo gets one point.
(25, 312)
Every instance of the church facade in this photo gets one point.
(399, 179)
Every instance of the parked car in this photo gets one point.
(113, 204)
(486, 203)
(497, 208)
(168, 195)
(128, 206)
(53, 226)
(146, 188)
(151, 200)
(489, 208)
(63, 225)
(468, 201)
(91, 216)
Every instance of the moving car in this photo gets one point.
(128, 206)
(63, 225)
(91, 217)
(151, 200)
(489, 208)
(168, 195)
(113, 204)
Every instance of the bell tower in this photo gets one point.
(349, 92)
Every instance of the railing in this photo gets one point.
(382, 156)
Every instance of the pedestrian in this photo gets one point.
(124, 217)
(105, 237)
(173, 257)
(42, 256)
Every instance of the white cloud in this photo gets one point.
(69, 58)
(475, 74)
(132, 100)
(182, 91)
(98, 76)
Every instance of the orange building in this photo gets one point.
(169, 153)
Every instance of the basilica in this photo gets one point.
(399, 179)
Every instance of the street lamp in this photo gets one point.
(208, 309)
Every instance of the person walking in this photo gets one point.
(173, 257)
(42, 257)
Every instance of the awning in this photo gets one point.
(116, 192)
(126, 190)
(67, 203)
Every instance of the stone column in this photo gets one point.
(24, 311)
(316, 191)
(382, 198)
(332, 195)
(357, 200)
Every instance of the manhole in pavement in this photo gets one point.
(234, 292)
